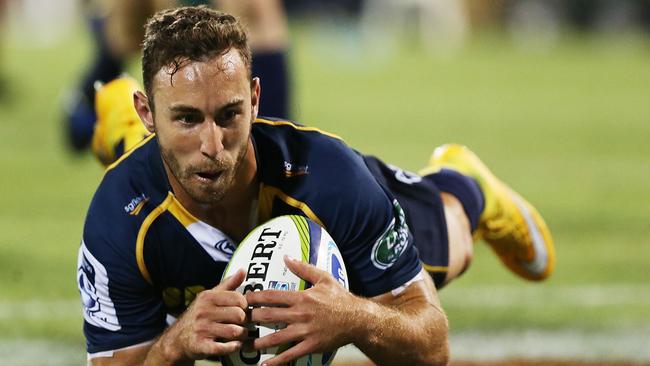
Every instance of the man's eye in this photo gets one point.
(230, 115)
(189, 118)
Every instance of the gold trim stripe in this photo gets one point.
(181, 213)
(126, 154)
(268, 193)
(300, 128)
(139, 243)
(436, 269)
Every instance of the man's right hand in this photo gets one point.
(213, 325)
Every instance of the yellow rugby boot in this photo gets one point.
(509, 224)
(118, 126)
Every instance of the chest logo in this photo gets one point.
(225, 246)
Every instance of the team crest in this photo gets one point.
(393, 242)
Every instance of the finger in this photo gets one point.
(284, 336)
(215, 348)
(227, 332)
(295, 352)
(223, 298)
(305, 271)
(272, 298)
(268, 315)
(227, 315)
(231, 283)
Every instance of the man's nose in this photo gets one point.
(211, 139)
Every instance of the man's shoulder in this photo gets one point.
(317, 173)
(129, 191)
(288, 152)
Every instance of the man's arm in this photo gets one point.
(216, 314)
(409, 328)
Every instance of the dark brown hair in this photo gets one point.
(175, 36)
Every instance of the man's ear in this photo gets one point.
(255, 97)
(142, 106)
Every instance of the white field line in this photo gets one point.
(628, 345)
(540, 344)
(30, 352)
(40, 309)
(533, 295)
(631, 343)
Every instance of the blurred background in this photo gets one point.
(553, 95)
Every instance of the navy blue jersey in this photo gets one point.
(143, 256)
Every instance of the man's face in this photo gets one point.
(202, 120)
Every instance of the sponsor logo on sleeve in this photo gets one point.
(393, 241)
(134, 207)
(92, 279)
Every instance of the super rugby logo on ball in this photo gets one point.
(261, 255)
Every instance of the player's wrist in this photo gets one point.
(365, 316)
(169, 348)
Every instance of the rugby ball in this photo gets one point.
(261, 256)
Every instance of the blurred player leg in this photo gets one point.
(509, 224)
(106, 66)
(117, 30)
(269, 40)
(118, 126)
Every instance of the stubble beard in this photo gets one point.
(202, 194)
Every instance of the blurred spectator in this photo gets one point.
(117, 27)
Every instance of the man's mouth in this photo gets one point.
(208, 176)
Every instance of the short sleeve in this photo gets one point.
(120, 308)
(380, 253)
(367, 223)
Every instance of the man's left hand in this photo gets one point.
(318, 319)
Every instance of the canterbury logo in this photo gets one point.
(135, 206)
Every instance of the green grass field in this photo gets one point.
(568, 128)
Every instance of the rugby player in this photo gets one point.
(169, 213)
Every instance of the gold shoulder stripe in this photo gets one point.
(435, 269)
(300, 128)
(181, 213)
(139, 243)
(126, 154)
(268, 193)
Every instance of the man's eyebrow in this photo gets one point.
(233, 103)
(189, 109)
(183, 108)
